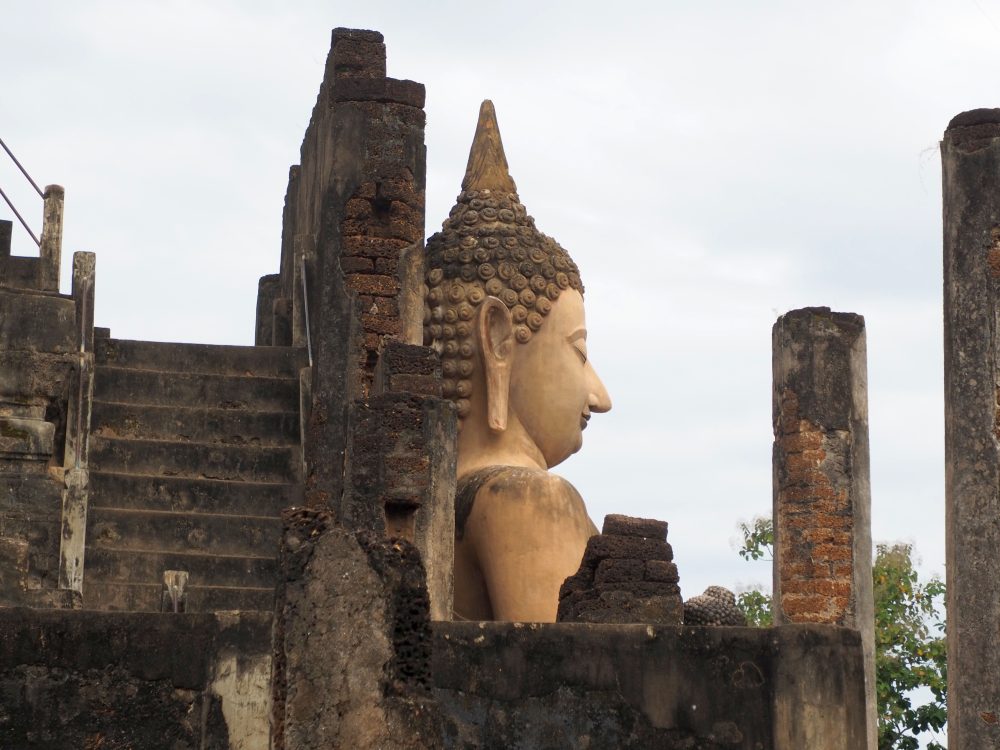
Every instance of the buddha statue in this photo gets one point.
(504, 309)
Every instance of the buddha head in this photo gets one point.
(504, 309)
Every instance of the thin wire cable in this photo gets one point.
(23, 170)
(305, 307)
(20, 218)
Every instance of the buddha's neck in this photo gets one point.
(479, 446)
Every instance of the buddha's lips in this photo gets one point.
(584, 418)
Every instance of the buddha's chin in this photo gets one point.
(577, 445)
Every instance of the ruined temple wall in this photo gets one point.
(400, 681)
(115, 680)
(354, 203)
(379, 453)
(639, 686)
(45, 374)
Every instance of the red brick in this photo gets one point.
(357, 208)
(373, 284)
(409, 465)
(381, 324)
(791, 493)
(374, 305)
(831, 552)
(826, 536)
(365, 190)
(619, 571)
(804, 568)
(355, 264)
(429, 385)
(829, 589)
(658, 570)
(800, 441)
(371, 247)
(400, 187)
(797, 607)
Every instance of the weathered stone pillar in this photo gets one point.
(401, 468)
(970, 153)
(352, 641)
(822, 495)
(76, 474)
(50, 251)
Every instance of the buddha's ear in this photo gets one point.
(496, 337)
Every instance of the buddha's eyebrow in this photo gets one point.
(579, 333)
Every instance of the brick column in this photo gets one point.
(970, 153)
(822, 495)
(379, 441)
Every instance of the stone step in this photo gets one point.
(261, 361)
(120, 529)
(146, 597)
(186, 495)
(147, 566)
(194, 424)
(246, 463)
(127, 386)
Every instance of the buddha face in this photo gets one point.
(553, 385)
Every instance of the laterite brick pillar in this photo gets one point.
(970, 153)
(822, 494)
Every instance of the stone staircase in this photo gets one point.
(194, 452)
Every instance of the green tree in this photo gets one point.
(758, 543)
(910, 649)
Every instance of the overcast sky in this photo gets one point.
(709, 165)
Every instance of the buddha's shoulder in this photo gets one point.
(515, 496)
(517, 480)
(515, 485)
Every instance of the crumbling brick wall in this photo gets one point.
(627, 575)
(381, 219)
(815, 516)
(111, 681)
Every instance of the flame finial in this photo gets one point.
(487, 169)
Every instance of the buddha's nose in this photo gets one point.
(598, 399)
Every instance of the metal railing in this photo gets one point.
(10, 203)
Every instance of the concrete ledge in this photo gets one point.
(635, 686)
(37, 322)
(386, 90)
(26, 438)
